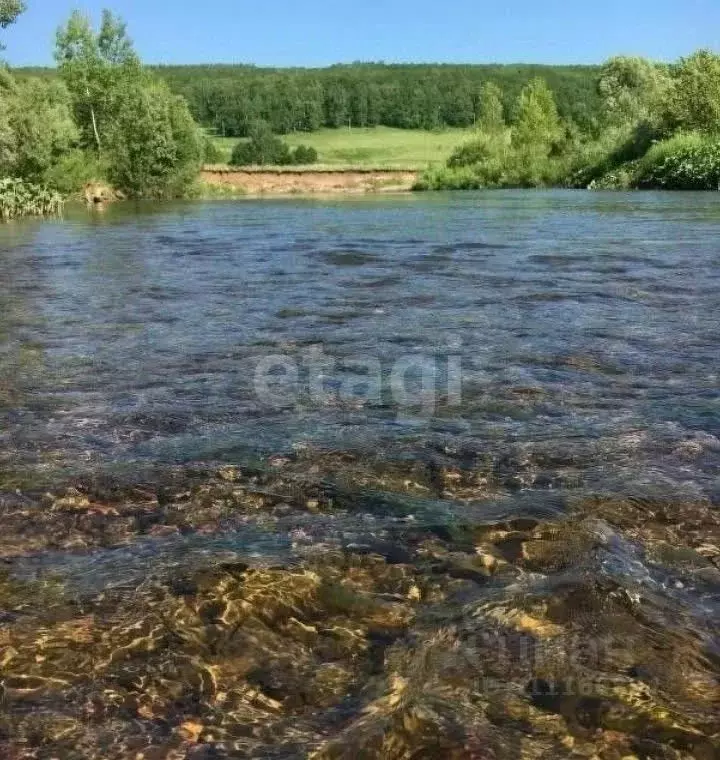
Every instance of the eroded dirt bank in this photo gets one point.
(319, 181)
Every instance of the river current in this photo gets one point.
(415, 476)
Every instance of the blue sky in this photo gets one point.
(321, 32)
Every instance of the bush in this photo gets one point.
(693, 101)
(44, 129)
(491, 161)
(685, 162)
(620, 178)
(462, 178)
(304, 154)
(266, 149)
(487, 155)
(263, 148)
(36, 127)
(74, 170)
(469, 154)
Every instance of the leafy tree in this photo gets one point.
(693, 102)
(337, 111)
(153, 145)
(631, 89)
(95, 68)
(41, 120)
(360, 104)
(311, 107)
(490, 109)
(143, 133)
(537, 124)
(8, 141)
(9, 11)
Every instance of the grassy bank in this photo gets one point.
(376, 148)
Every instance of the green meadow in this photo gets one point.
(372, 148)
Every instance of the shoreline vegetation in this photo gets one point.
(101, 117)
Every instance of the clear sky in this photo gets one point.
(321, 32)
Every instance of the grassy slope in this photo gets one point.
(381, 147)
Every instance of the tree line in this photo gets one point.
(230, 99)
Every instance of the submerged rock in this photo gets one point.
(288, 612)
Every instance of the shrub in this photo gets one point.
(685, 162)
(36, 127)
(470, 153)
(304, 154)
(261, 149)
(264, 148)
(693, 101)
(41, 119)
(462, 178)
(74, 170)
(620, 178)
(492, 161)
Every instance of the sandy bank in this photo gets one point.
(287, 181)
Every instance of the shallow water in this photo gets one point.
(563, 457)
(136, 335)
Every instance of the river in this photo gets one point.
(424, 474)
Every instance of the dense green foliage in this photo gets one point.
(658, 126)
(688, 162)
(490, 109)
(632, 90)
(153, 146)
(229, 99)
(694, 98)
(105, 118)
(265, 148)
(97, 69)
(144, 134)
(36, 126)
(9, 11)
(35, 129)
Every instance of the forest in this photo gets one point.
(229, 99)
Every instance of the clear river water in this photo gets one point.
(415, 476)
